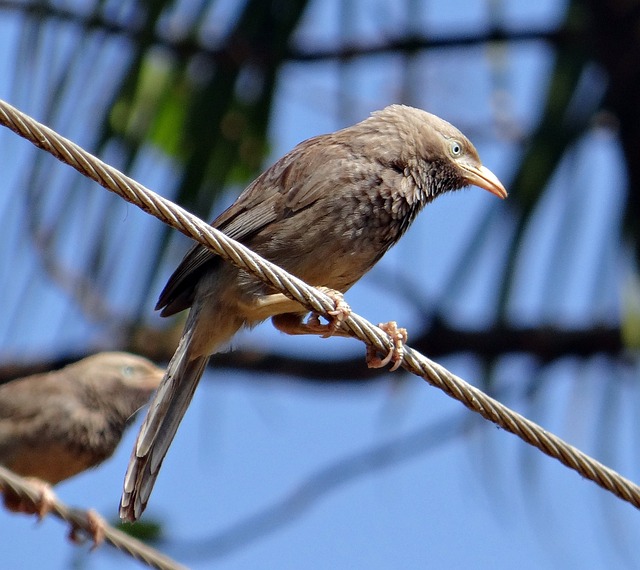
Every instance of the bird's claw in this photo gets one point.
(96, 530)
(40, 506)
(335, 317)
(399, 337)
(46, 501)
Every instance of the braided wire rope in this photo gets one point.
(31, 494)
(317, 301)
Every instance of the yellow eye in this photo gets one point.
(455, 148)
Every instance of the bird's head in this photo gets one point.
(119, 370)
(432, 150)
(117, 382)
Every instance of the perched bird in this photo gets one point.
(55, 425)
(326, 212)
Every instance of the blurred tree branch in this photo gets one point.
(186, 47)
(546, 344)
(259, 38)
(605, 32)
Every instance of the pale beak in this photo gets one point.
(152, 380)
(482, 177)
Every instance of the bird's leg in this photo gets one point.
(40, 506)
(399, 337)
(265, 306)
(292, 323)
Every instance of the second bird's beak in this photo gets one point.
(482, 177)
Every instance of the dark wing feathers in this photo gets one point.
(178, 293)
(294, 182)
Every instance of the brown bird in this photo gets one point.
(326, 212)
(55, 425)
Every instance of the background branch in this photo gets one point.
(317, 301)
(545, 344)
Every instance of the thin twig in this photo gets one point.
(314, 300)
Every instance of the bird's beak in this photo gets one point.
(152, 380)
(482, 177)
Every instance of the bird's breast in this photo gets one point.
(346, 235)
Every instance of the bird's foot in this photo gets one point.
(96, 530)
(40, 506)
(46, 501)
(399, 337)
(336, 317)
(292, 323)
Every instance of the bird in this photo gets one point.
(57, 424)
(326, 212)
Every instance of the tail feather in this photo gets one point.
(159, 428)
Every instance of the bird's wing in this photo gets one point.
(31, 410)
(23, 400)
(293, 183)
(270, 198)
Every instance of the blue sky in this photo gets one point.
(476, 500)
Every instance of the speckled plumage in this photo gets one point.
(327, 212)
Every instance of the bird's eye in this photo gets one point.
(127, 371)
(455, 148)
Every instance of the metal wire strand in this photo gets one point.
(28, 492)
(317, 301)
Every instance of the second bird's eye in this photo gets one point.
(456, 148)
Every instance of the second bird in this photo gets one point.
(326, 212)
